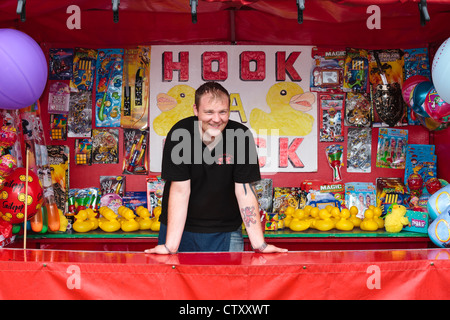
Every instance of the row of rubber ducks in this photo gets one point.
(332, 218)
(126, 219)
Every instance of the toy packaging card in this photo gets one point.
(391, 149)
(418, 221)
(416, 63)
(136, 82)
(359, 149)
(358, 110)
(58, 126)
(60, 63)
(105, 146)
(322, 193)
(58, 98)
(361, 195)
(356, 71)
(83, 77)
(58, 159)
(284, 197)
(331, 107)
(80, 115)
(134, 199)
(155, 190)
(264, 192)
(83, 151)
(390, 191)
(112, 184)
(108, 94)
(392, 64)
(420, 159)
(328, 69)
(135, 151)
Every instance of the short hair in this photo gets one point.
(211, 87)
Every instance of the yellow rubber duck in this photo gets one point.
(353, 218)
(313, 216)
(335, 213)
(368, 224)
(344, 223)
(128, 223)
(155, 220)
(288, 104)
(324, 223)
(377, 217)
(92, 217)
(394, 221)
(177, 104)
(63, 222)
(81, 223)
(144, 220)
(108, 222)
(298, 222)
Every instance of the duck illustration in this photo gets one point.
(175, 105)
(288, 104)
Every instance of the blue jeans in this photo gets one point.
(207, 242)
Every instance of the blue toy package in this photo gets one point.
(356, 71)
(362, 195)
(134, 199)
(391, 149)
(108, 95)
(420, 159)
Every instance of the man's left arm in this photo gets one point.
(249, 208)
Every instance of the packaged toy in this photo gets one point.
(60, 63)
(391, 149)
(356, 71)
(357, 110)
(58, 126)
(390, 191)
(105, 146)
(264, 192)
(321, 194)
(135, 151)
(80, 115)
(362, 195)
(84, 62)
(112, 184)
(420, 164)
(108, 96)
(58, 159)
(359, 148)
(328, 69)
(334, 155)
(155, 190)
(83, 151)
(331, 107)
(58, 98)
(285, 197)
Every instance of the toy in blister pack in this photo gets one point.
(359, 148)
(334, 155)
(112, 184)
(108, 95)
(322, 193)
(58, 159)
(284, 197)
(60, 63)
(392, 64)
(135, 151)
(390, 191)
(84, 62)
(134, 199)
(331, 121)
(264, 192)
(327, 72)
(80, 115)
(357, 110)
(105, 146)
(420, 166)
(356, 71)
(58, 126)
(58, 98)
(362, 195)
(391, 149)
(136, 82)
(83, 151)
(155, 190)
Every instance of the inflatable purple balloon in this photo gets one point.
(23, 70)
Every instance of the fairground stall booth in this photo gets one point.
(348, 102)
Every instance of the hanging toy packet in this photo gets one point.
(334, 155)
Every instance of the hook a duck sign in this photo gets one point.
(269, 93)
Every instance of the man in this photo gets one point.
(209, 163)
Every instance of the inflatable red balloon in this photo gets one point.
(12, 196)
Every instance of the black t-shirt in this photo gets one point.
(212, 205)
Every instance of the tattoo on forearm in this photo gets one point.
(252, 188)
(248, 216)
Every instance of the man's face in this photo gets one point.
(213, 113)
